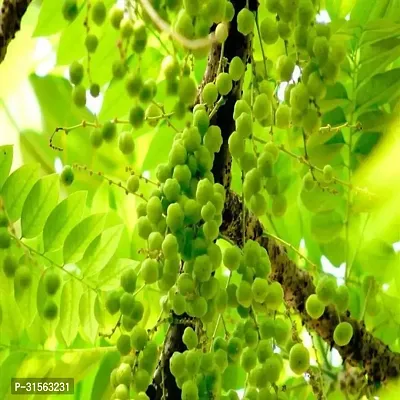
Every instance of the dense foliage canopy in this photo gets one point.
(209, 208)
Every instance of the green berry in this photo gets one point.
(133, 184)
(136, 116)
(98, 12)
(67, 175)
(94, 90)
(224, 83)
(299, 359)
(343, 334)
(314, 306)
(50, 310)
(113, 302)
(245, 21)
(221, 32)
(269, 30)
(119, 69)
(70, 10)
(52, 282)
(109, 131)
(149, 270)
(128, 280)
(236, 68)
(91, 42)
(10, 266)
(285, 67)
(116, 14)
(126, 143)
(209, 94)
(326, 289)
(124, 345)
(79, 96)
(23, 276)
(133, 84)
(126, 28)
(190, 338)
(187, 90)
(5, 238)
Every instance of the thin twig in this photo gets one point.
(165, 27)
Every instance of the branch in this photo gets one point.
(378, 361)
(235, 45)
(11, 14)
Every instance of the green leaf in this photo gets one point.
(87, 318)
(71, 46)
(376, 57)
(69, 318)
(102, 380)
(338, 8)
(9, 370)
(159, 147)
(6, 157)
(365, 11)
(374, 121)
(100, 251)
(379, 90)
(366, 142)
(377, 258)
(27, 301)
(17, 187)
(81, 236)
(109, 277)
(233, 377)
(50, 20)
(326, 226)
(62, 219)
(324, 154)
(335, 251)
(13, 323)
(38, 205)
(379, 29)
(54, 96)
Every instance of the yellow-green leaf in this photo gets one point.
(38, 205)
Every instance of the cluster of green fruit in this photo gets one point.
(196, 18)
(258, 169)
(13, 268)
(52, 284)
(134, 33)
(123, 301)
(200, 374)
(134, 371)
(17, 270)
(327, 292)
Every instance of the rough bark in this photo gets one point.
(11, 14)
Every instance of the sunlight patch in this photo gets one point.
(94, 104)
(329, 268)
(336, 359)
(323, 17)
(281, 91)
(58, 165)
